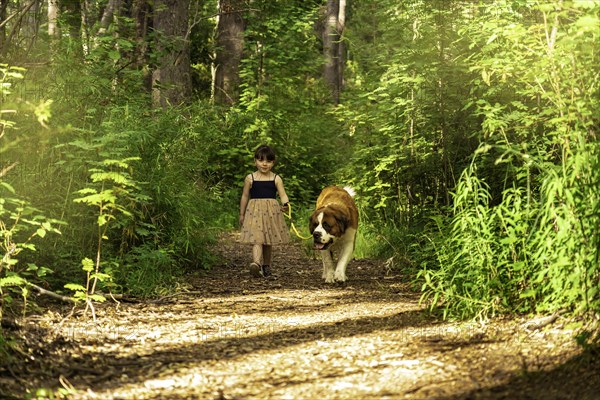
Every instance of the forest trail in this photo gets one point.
(229, 336)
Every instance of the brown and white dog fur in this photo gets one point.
(333, 226)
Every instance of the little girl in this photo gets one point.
(261, 217)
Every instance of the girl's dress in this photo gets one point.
(263, 221)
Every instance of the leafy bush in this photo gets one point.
(530, 244)
(145, 173)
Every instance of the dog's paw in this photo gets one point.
(339, 277)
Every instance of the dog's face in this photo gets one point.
(326, 226)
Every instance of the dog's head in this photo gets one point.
(326, 225)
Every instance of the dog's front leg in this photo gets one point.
(343, 260)
(327, 258)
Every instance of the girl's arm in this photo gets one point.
(281, 190)
(245, 198)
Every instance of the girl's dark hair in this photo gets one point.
(264, 152)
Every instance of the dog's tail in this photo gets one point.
(350, 191)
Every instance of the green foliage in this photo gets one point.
(284, 103)
(86, 294)
(8, 75)
(530, 242)
(148, 271)
(21, 224)
(112, 190)
(176, 150)
(171, 214)
(484, 264)
(403, 108)
(168, 219)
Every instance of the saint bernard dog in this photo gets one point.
(333, 226)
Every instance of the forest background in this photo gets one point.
(469, 130)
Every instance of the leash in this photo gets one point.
(289, 215)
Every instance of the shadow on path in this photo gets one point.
(576, 379)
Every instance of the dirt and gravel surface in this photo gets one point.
(225, 335)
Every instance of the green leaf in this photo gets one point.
(75, 287)
(80, 295)
(588, 23)
(96, 199)
(527, 294)
(109, 176)
(88, 265)
(114, 55)
(97, 297)
(101, 276)
(13, 280)
(7, 187)
(102, 220)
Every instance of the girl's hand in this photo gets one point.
(241, 221)
(285, 208)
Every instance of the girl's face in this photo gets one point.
(264, 165)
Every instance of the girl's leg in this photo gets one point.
(257, 253)
(267, 254)
(256, 269)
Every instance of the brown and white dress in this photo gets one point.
(264, 222)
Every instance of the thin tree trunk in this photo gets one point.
(34, 20)
(107, 16)
(332, 46)
(16, 29)
(230, 45)
(141, 13)
(341, 59)
(53, 30)
(3, 42)
(85, 26)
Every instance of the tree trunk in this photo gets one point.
(53, 30)
(107, 17)
(86, 25)
(141, 12)
(230, 46)
(333, 49)
(341, 59)
(171, 81)
(3, 14)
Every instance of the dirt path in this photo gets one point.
(229, 336)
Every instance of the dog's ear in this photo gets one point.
(312, 223)
(343, 221)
